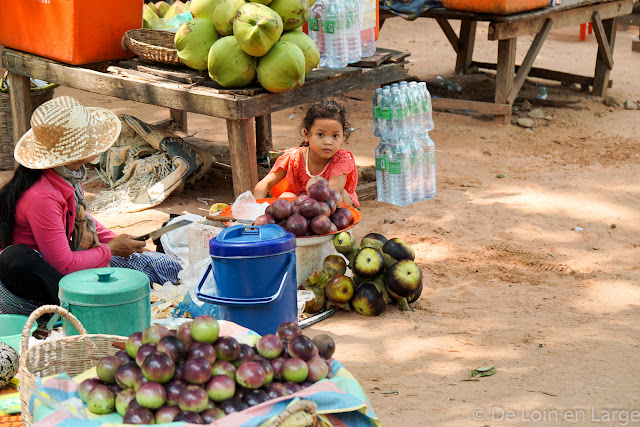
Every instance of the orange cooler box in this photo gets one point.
(495, 7)
(71, 31)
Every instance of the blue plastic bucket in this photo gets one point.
(254, 269)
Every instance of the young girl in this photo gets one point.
(324, 129)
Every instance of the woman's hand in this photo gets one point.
(123, 245)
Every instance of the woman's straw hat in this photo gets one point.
(63, 131)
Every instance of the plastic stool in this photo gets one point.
(583, 31)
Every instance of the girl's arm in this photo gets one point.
(337, 182)
(266, 183)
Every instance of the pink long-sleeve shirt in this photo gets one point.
(44, 220)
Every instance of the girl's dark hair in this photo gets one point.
(325, 109)
(23, 179)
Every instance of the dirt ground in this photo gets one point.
(509, 279)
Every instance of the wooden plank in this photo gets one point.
(467, 43)
(543, 73)
(450, 33)
(601, 75)
(171, 95)
(178, 75)
(21, 111)
(264, 136)
(374, 60)
(527, 63)
(244, 163)
(463, 105)
(179, 117)
(604, 49)
(504, 73)
(561, 18)
(269, 103)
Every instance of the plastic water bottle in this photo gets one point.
(327, 25)
(417, 169)
(400, 173)
(429, 165)
(377, 115)
(398, 107)
(449, 84)
(386, 114)
(427, 109)
(382, 171)
(354, 45)
(367, 27)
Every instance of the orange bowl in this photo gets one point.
(357, 216)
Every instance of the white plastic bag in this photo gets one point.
(245, 209)
(303, 297)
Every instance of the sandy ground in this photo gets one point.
(508, 280)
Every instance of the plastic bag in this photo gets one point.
(169, 24)
(191, 277)
(245, 209)
(303, 297)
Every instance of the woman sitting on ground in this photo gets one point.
(45, 232)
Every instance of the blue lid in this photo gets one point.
(243, 241)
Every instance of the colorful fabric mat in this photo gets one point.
(341, 400)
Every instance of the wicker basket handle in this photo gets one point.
(308, 406)
(46, 309)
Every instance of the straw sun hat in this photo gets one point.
(63, 131)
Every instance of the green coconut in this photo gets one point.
(203, 8)
(294, 13)
(193, 41)
(282, 68)
(264, 2)
(306, 45)
(229, 65)
(224, 15)
(175, 9)
(257, 28)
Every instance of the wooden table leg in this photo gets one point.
(505, 74)
(606, 35)
(264, 136)
(179, 117)
(21, 109)
(467, 42)
(244, 165)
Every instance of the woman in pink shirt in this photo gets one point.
(45, 232)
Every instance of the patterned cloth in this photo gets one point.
(159, 267)
(341, 400)
(293, 161)
(409, 9)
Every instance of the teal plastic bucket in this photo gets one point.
(254, 269)
(108, 300)
(11, 326)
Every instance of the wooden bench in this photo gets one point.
(506, 30)
(183, 90)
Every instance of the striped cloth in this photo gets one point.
(159, 267)
(341, 400)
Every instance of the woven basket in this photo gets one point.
(6, 124)
(73, 355)
(154, 45)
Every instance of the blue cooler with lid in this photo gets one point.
(254, 270)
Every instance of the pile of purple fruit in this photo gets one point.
(317, 212)
(196, 376)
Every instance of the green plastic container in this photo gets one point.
(11, 329)
(106, 300)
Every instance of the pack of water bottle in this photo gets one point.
(344, 30)
(405, 157)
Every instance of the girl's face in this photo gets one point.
(325, 137)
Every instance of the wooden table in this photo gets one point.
(506, 30)
(183, 90)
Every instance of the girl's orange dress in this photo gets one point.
(295, 181)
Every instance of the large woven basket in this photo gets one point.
(73, 355)
(6, 124)
(154, 45)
